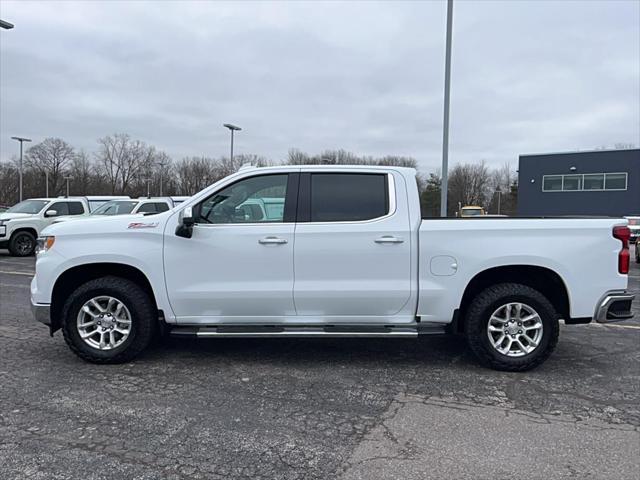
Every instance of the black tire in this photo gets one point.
(480, 311)
(144, 319)
(22, 244)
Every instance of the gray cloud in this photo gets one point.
(367, 77)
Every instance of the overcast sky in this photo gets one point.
(367, 77)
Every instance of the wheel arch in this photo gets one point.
(71, 279)
(543, 279)
(30, 230)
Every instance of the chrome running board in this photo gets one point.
(300, 331)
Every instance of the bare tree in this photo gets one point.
(195, 173)
(52, 156)
(82, 173)
(123, 161)
(8, 183)
(343, 157)
(469, 184)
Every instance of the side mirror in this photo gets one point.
(185, 223)
(51, 213)
(187, 217)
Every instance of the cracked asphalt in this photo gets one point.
(312, 408)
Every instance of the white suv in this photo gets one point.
(22, 223)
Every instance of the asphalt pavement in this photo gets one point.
(313, 408)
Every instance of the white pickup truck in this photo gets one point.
(347, 256)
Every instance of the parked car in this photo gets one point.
(21, 224)
(634, 226)
(347, 256)
(4, 208)
(144, 205)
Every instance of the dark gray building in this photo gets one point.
(602, 182)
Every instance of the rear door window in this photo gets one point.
(348, 197)
(147, 208)
(161, 207)
(75, 208)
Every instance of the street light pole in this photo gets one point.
(499, 192)
(148, 182)
(46, 183)
(232, 128)
(67, 179)
(21, 140)
(161, 164)
(445, 126)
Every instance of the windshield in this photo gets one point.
(28, 206)
(95, 204)
(121, 207)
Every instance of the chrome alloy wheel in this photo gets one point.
(515, 329)
(104, 322)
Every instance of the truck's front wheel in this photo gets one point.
(511, 327)
(108, 320)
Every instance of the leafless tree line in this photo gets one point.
(119, 166)
(122, 165)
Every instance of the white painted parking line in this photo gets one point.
(635, 327)
(4, 261)
(18, 273)
(9, 285)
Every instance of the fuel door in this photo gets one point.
(443, 266)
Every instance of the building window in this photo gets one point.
(572, 182)
(594, 181)
(589, 181)
(552, 183)
(615, 181)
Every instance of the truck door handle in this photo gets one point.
(389, 239)
(272, 241)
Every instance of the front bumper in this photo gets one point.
(42, 313)
(614, 307)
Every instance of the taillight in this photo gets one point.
(623, 234)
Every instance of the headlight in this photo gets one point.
(45, 243)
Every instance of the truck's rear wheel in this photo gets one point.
(22, 244)
(511, 327)
(108, 320)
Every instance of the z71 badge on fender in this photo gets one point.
(143, 225)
